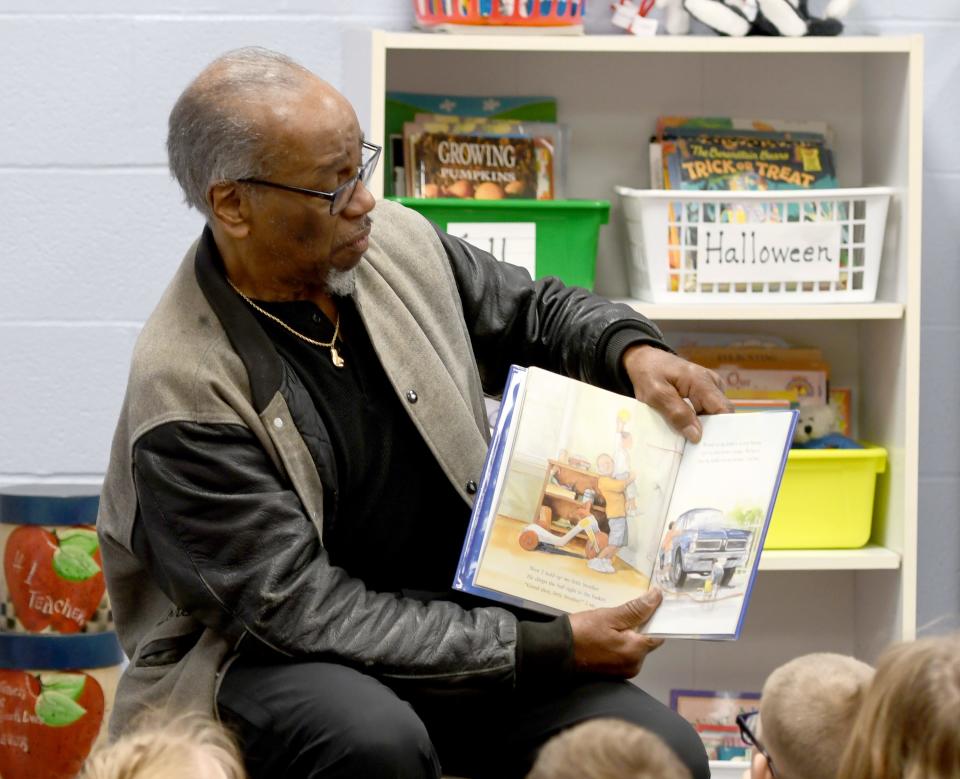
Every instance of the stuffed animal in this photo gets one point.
(737, 18)
(819, 428)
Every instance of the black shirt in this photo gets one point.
(399, 524)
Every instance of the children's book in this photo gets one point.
(746, 163)
(713, 715)
(401, 107)
(588, 498)
(482, 163)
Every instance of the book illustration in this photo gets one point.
(713, 715)
(706, 162)
(479, 165)
(841, 398)
(402, 107)
(582, 488)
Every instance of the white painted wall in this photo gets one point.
(92, 227)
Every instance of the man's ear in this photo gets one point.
(759, 768)
(229, 204)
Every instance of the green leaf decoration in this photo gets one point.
(85, 540)
(70, 685)
(58, 710)
(74, 564)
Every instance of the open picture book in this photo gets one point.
(588, 498)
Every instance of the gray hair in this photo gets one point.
(211, 137)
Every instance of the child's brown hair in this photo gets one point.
(189, 745)
(607, 749)
(909, 726)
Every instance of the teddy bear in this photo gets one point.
(819, 428)
(737, 18)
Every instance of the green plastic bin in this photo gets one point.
(567, 230)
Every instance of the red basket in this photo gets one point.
(521, 13)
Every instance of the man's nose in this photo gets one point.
(361, 203)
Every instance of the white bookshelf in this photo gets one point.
(610, 89)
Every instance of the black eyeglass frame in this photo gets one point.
(340, 197)
(747, 734)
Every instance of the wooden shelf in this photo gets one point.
(766, 311)
(679, 44)
(869, 558)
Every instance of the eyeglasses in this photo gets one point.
(342, 195)
(749, 724)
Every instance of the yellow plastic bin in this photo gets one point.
(826, 499)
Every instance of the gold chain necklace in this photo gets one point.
(331, 345)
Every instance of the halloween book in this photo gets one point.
(588, 498)
(746, 163)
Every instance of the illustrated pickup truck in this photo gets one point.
(698, 538)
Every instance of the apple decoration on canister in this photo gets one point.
(52, 574)
(56, 693)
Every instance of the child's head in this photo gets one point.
(806, 709)
(607, 749)
(909, 725)
(605, 464)
(187, 746)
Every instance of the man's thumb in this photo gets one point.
(636, 612)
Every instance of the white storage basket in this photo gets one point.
(797, 246)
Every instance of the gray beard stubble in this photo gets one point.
(341, 283)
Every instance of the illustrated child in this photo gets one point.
(607, 749)
(189, 745)
(621, 457)
(612, 489)
(909, 724)
(716, 576)
(806, 709)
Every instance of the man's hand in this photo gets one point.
(662, 380)
(606, 641)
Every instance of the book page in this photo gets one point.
(718, 514)
(580, 501)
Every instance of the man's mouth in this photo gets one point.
(359, 240)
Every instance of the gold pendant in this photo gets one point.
(335, 356)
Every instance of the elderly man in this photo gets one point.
(292, 471)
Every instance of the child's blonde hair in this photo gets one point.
(607, 749)
(188, 746)
(806, 709)
(909, 726)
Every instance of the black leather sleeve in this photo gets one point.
(545, 323)
(229, 541)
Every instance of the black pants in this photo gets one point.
(306, 720)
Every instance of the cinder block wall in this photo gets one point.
(91, 226)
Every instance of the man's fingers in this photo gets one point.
(681, 416)
(706, 394)
(652, 643)
(638, 611)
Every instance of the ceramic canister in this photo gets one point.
(59, 657)
(56, 693)
(52, 578)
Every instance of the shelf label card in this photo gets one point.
(513, 242)
(768, 252)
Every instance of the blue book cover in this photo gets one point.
(588, 498)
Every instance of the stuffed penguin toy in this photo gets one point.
(737, 18)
